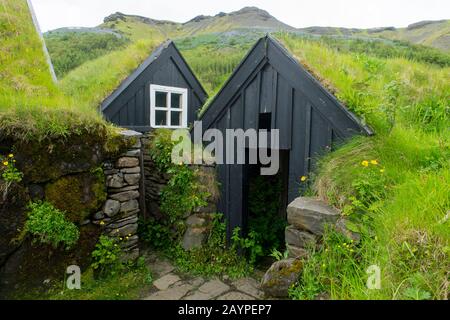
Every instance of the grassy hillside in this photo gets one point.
(434, 34)
(70, 49)
(94, 80)
(32, 106)
(395, 185)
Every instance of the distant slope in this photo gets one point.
(429, 33)
(246, 18)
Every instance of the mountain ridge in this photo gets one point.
(427, 32)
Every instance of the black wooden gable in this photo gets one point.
(271, 90)
(129, 105)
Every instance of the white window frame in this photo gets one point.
(169, 90)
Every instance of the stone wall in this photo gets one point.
(97, 189)
(120, 213)
(198, 222)
(307, 218)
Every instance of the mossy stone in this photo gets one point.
(78, 195)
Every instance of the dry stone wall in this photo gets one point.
(120, 213)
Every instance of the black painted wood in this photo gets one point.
(129, 105)
(310, 120)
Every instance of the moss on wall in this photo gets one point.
(78, 195)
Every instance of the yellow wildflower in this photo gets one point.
(5, 163)
(382, 170)
(365, 163)
(303, 178)
(374, 162)
(102, 223)
(11, 155)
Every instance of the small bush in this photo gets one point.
(50, 226)
(106, 257)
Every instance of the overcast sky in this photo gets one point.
(53, 14)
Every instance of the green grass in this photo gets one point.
(401, 202)
(95, 80)
(129, 285)
(32, 106)
(69, 50)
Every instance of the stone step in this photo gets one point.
(311, 214)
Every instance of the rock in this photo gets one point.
(128, 188)
(123, 222)
(296, 252)
(124, 231)
(174, 293)
(133, 178)
(125, 196)
(298, 238)
(115, 181)
(129, 206)
(111, 207)
(131, 170)
(195, 221)
(193, 238)
(166, 281)
(248, 286)
(127, 162)
(211, 290)
(235, 295)
(311, 214)
(161, 267)
(133, 153)
(280, 276)
(36, 192)
(98, 216)
(196, 282)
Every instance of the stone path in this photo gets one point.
(170, 285)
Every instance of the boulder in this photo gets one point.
(193, 238)
(299, 238)
(280, 277)
(111, 208)
(311, 214)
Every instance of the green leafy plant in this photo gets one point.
(106, 257)
(278, 255)
(49, 225)
(8, 169)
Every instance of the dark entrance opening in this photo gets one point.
(265, 203)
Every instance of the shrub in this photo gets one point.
(50, 226)
(106, 257)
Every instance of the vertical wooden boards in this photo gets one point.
(129, 105)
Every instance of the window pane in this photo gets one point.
(161, 99)
(176, 118)
(160, 118)
(176, 101)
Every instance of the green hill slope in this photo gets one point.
(394, 187)
(32, 106)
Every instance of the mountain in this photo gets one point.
(429, 33)
(247, 18)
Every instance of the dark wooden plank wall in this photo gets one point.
(304, 131)
(131, 109)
